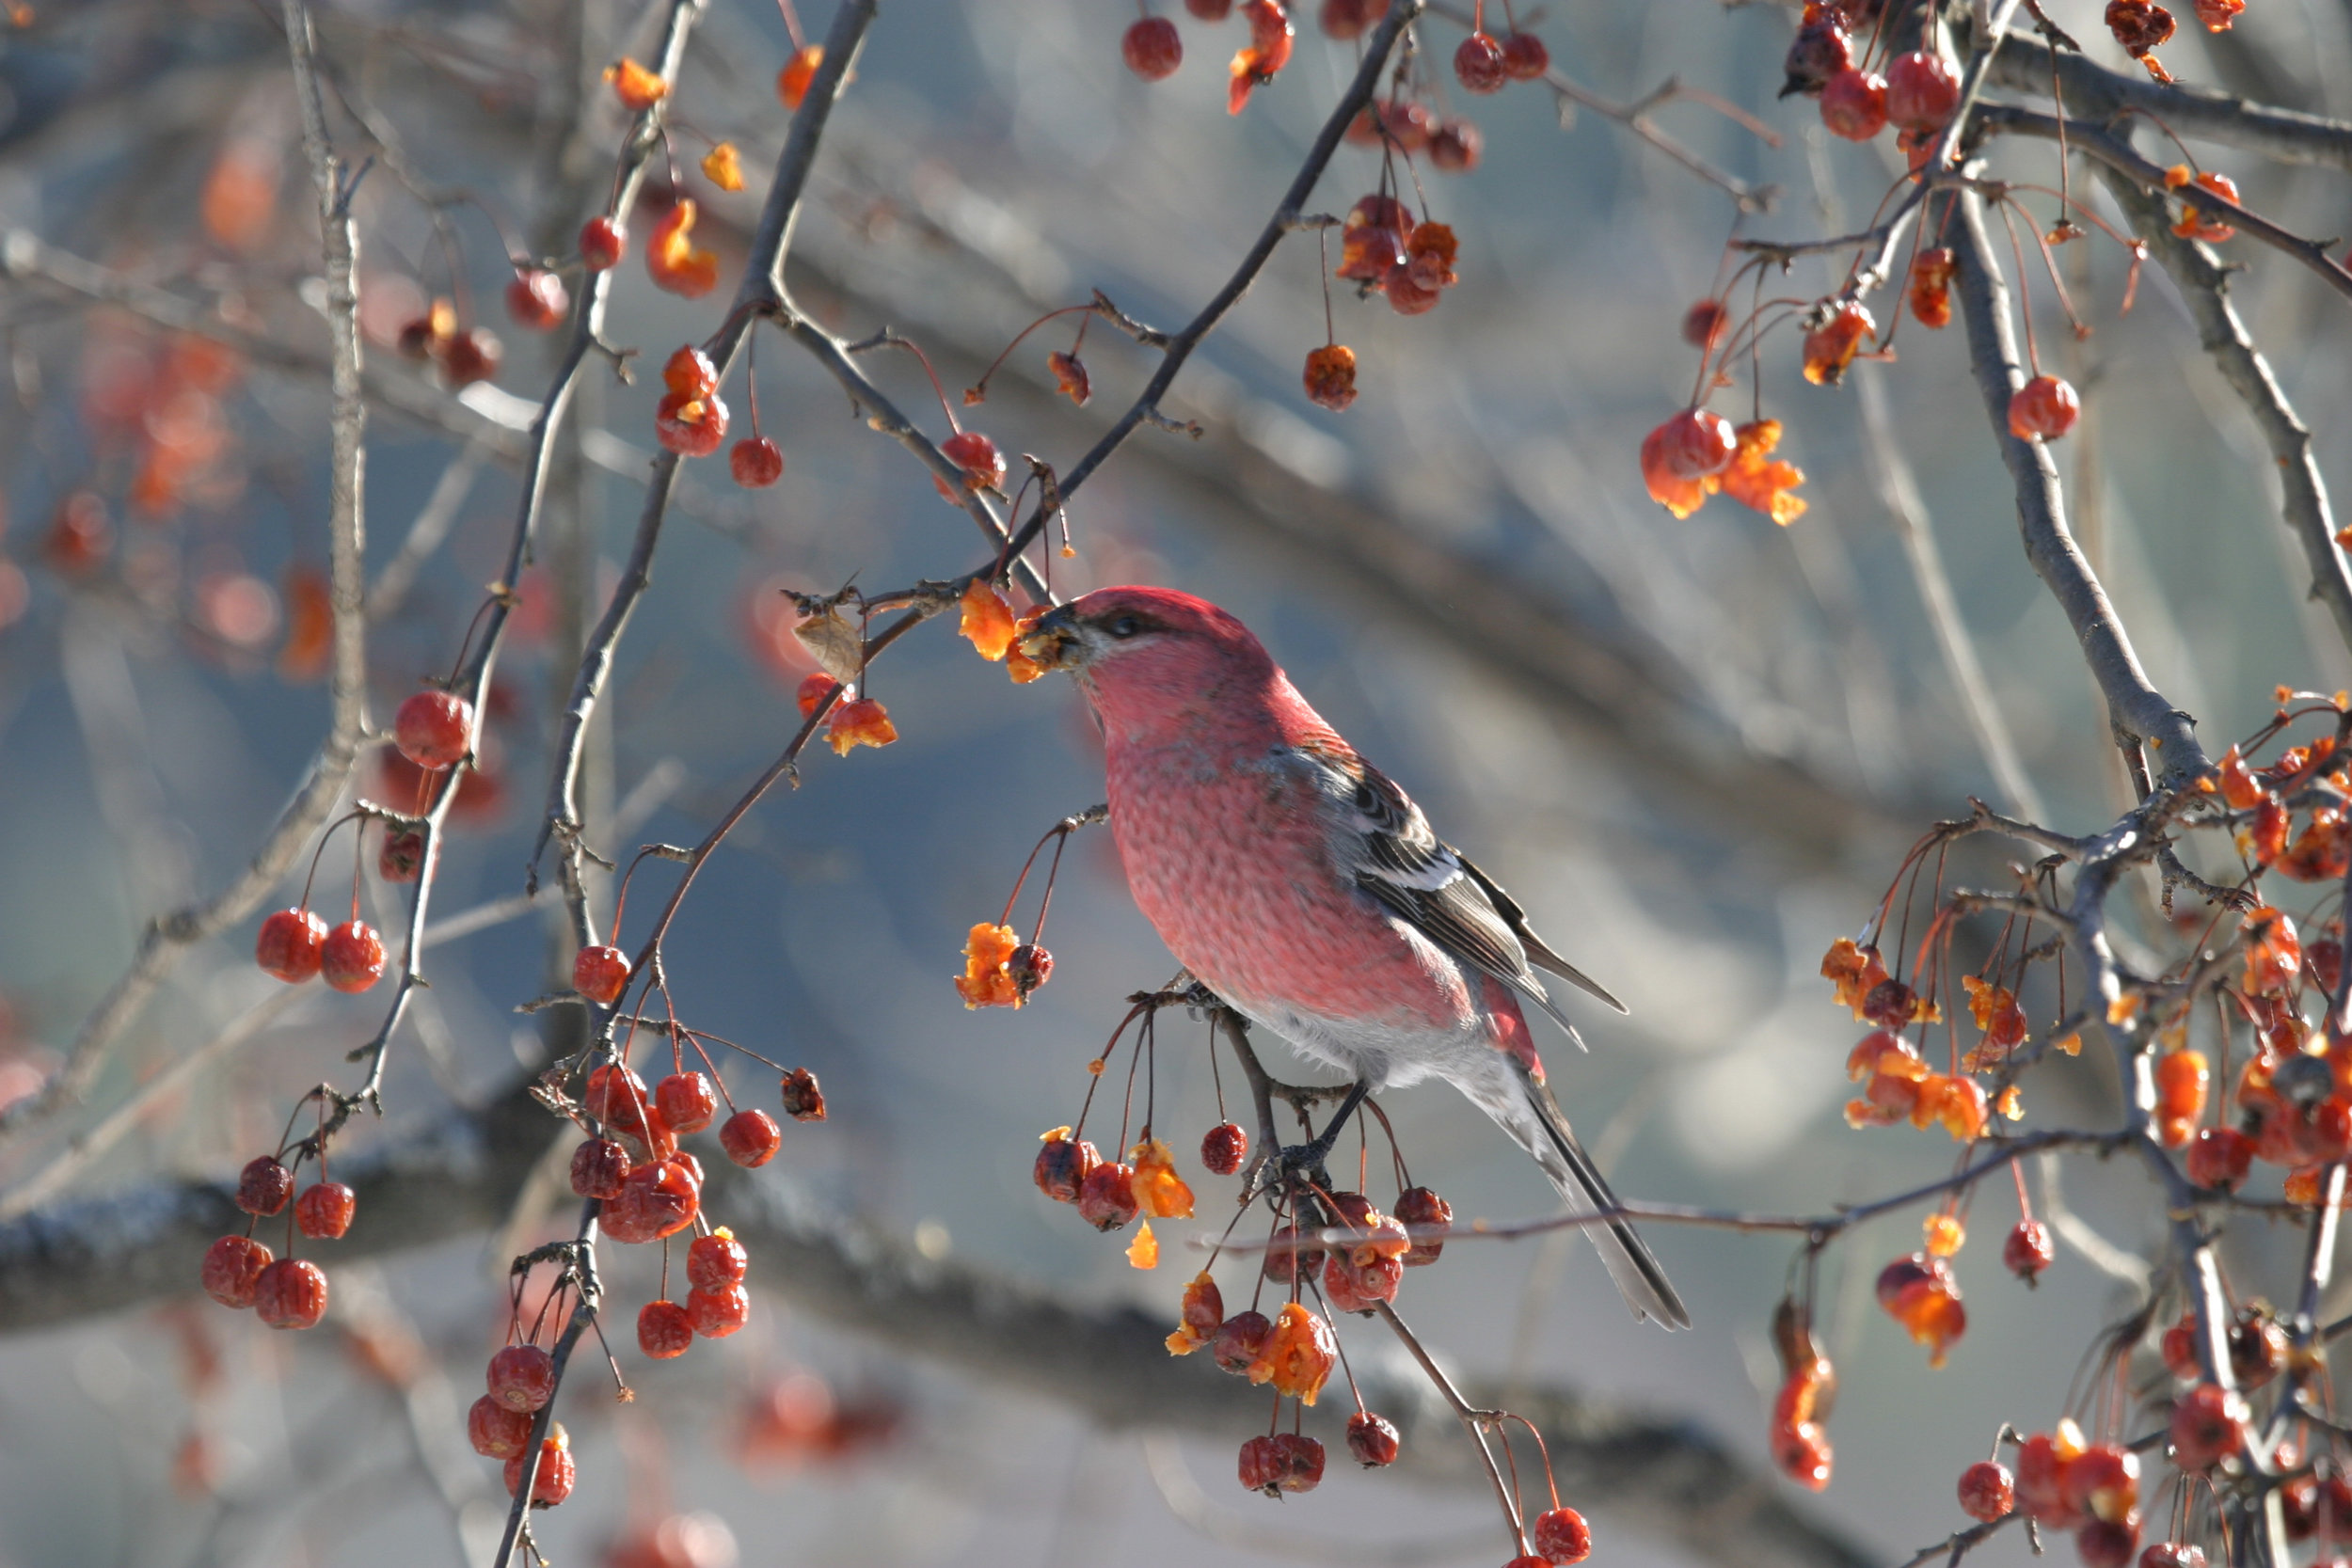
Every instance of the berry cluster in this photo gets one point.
(240, 1272)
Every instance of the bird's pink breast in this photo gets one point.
(1229, 860)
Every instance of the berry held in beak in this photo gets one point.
(1056, 641)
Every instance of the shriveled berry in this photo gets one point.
(1261, 1466)
(1987, 1491)
(1238, 1341)
(1854, 105)
(804, 1100)
(599, 1165)
(353, 959)
(522, 1377)
(232, 1268)
(1153, 48)
(1224, 1148)
(1922, 91)
(616, 1097)
(602, 244)
(324, 1211)
(1697, 442)
(1301, 1461)
(716, 1260)
(756, 463)
(291, 1294)
(719, 1311)
(691, 426)
(264, 1186)
(470, 356)
(751, 1139)
(1417, 1207)
(1330, 373)
(2029, 1250)
(402, 855)
(496, 1431)
(1561, 1536)
(1106, 1199)
(1063, 1165)
(290, 945)
(685, 1102)
(556, 1476)
(1371, 1439)
(600, 973)
(1030, 967)
(1479, 66)
(983, 466)
(663, 1329)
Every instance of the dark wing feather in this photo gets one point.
(1400, 860)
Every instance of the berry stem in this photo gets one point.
(997, 363)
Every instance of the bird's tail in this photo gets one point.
(1530, 1114)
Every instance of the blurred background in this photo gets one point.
(1693, 749)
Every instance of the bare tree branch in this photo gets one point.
(2286, 135)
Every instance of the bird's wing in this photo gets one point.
(1383, 841)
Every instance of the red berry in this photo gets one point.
(1224, 1148)
(1350, 1287)
(470, 356)
(685, 1102)
(599, 1166)
(2176, 1554)
(1703, 323)
(402, 855)
(2208, 1425)
(1417, 1207)
(804, 1100)
(616, 1097)
(751, 1139)
(1561, 1536)
(1106, 1199)
(1301, 1459)
(556, 1476)
(757, 462)
(232, 1267)
(715, 1259)
(535, 299)
(1524, 56)
(1922, 91)
(2105, 1543)
(1478, 64)
(291, 944)
(1697, 442)
(691, 426)
(983, 466)
(602, 243)
(1854, 105)
(1238, 1341)
(1371, 1439)
(663, 1329)
(718, 1311)
(1210, 10)
(2046, 406)
(324, 1211)
(1457, 146)
(434, 728)
(496, 1431)
(2220, 1157)
(659, 1198)
(264, 1186)
(2029, 1250)
(1063, 1165)
(1030, 967)
(600, 973)
(690, 373)
(1261, 1466)
(1153, 49)
(2102, 1482)
(522, 1377)
(291, 1294)
(1987, 1491)
(353, 959)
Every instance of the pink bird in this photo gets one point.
(1311, 895)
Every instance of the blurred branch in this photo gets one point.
(2286, 135)
(1658, 1474)
(160, 948)
(2205, 286)
(2139, 712)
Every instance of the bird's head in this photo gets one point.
(1145, 655)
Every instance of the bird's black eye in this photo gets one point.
(1125, 626)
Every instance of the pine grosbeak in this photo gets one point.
(1309, 892)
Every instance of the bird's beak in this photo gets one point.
(1056, 640)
